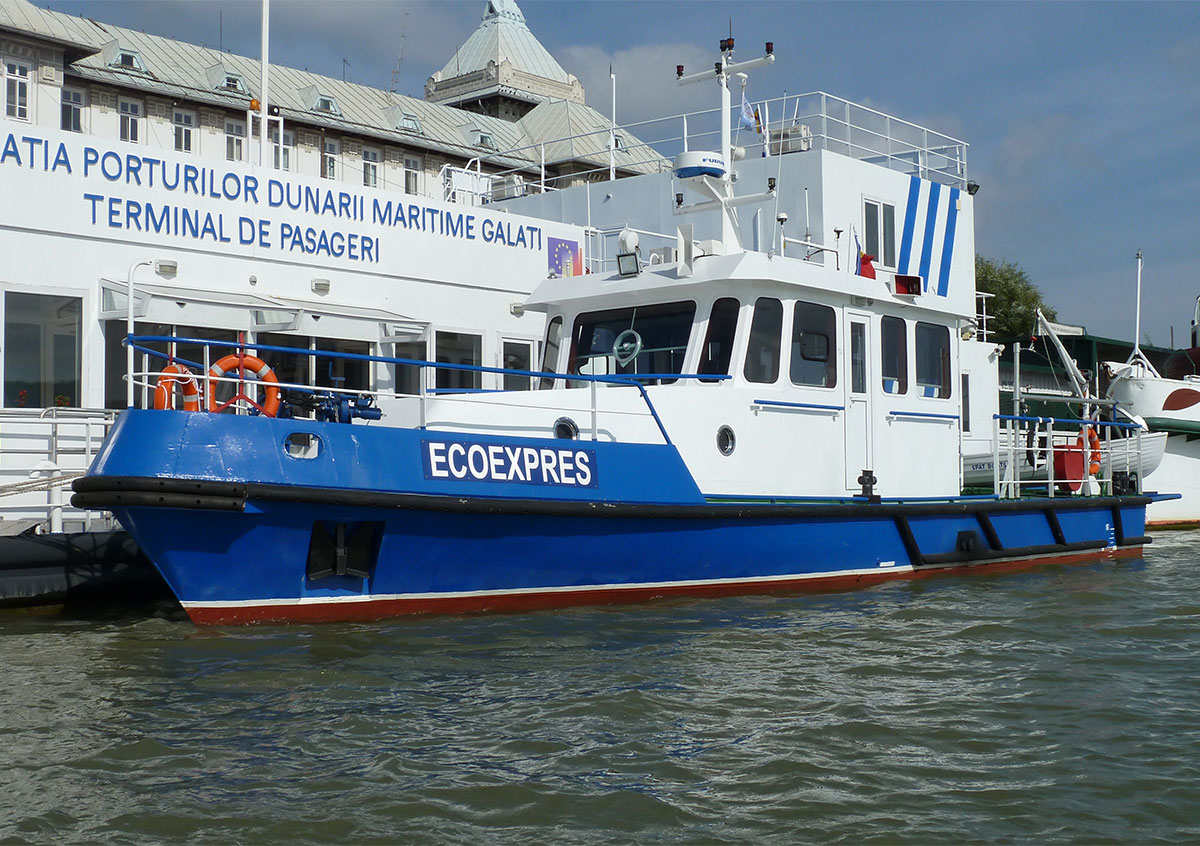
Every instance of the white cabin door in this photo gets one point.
(858, 397)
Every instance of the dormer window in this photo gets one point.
(486, 140)
(127, 60)
(409, 122)
(326, 104)
(233, 82)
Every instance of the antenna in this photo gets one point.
(400, 54)
(345, 64)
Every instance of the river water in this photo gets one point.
(1059, 704)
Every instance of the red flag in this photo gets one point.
(865, 268)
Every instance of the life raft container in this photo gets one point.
(252, 366)
(164, 388)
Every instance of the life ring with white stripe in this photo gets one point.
(164, 388)
(253, 367)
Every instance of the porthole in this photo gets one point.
(302, 445)
(725, 440)
(566, 429)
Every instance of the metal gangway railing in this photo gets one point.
(1034, 453)
(41, 452)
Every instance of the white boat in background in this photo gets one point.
(1169, 402)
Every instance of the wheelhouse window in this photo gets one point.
(550, 351)
(717, 351)
(893, 353)
(814, 339)
(235, 135)
(185, 123)
(642, 340)
(933, 360)
(41, 350)
(16, 90)
(72, 110)
(766, 330)
(458, 348)
(131, 118)
(879, 232)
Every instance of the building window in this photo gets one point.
(41, 350)
(131, 116)
(762, 353)
(283, 152)
(893, 355)
(185, 123)
(326, 104)
(16, 90)
(458, 348)
(235, 135)
(370, 167)
(409, 122)
(814, 338)
(879, 230)
(717, 351)
(72, 110)
(233, 82)
(413, 169)
(128, 60)
(331, 150)
(486, 140)
(933, 360)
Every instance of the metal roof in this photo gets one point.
(502, 35)
(180, 70)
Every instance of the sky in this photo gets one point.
(1083, 118)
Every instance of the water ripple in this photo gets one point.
(1055, 705)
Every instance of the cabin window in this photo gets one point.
(41, 350)
(550, 351)
(766, 330)
(72, 110)
(893, 355)
(518, 355)
(185, 124)
(16, 90)
(641, 340)
(345, 373)
(718, 338)
(458, 348)
(933, 360)
(191, 355)
(879, 232)
(966, 403)
(409, 376)
(814, 338)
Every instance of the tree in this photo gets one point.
(1011, 309)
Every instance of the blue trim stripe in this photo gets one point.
(910, 223)
(948, 244)
(935, 191)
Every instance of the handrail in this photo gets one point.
(634, 380)
(926, 414)
(809, 405)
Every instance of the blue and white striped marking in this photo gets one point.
(927, 240)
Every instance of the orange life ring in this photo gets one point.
(164, 388)
(254, 367)
(1092, 449)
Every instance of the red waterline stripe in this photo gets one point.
(329, 612)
